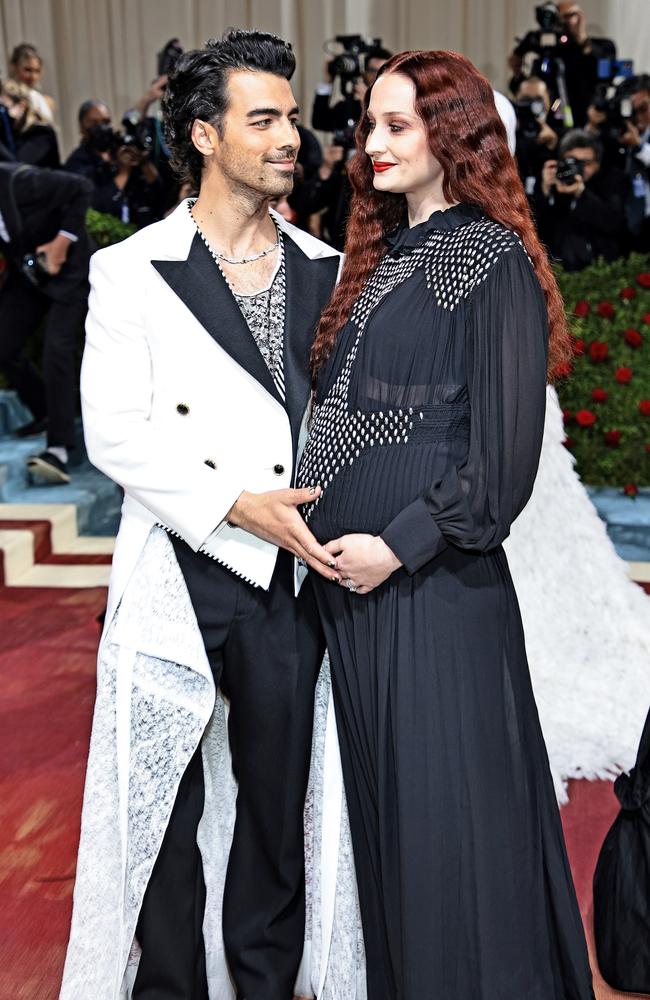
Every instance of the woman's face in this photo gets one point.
(397, 142)
(28, 71)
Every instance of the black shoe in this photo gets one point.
(49, 467)
(32, 429)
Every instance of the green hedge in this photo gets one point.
(106, 229)
(605, 393)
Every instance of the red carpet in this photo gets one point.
(47, 667)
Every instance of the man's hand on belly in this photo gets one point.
(274, 516)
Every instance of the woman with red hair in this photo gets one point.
(430, 367)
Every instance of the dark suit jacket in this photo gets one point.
(46, 202)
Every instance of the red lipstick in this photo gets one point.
(379, 166)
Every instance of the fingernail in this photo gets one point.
(332, 564)
(334, 579)
(312, 490)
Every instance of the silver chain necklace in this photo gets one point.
(234, 260)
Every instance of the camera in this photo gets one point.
(617, 108)
(529, 110)
(136, 135)
(568, 168)
(551, 28)
(34, 268)
(104, 139)
(347, 65)
(612, 97)
(345, 136)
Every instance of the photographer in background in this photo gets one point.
(580, 206)
(126, 182)
(33, 140)
(536, 139)
(636, 140)
(147, 123)
(346, 113)
(561, 51)
(43, 236)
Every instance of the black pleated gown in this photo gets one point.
(427, 430)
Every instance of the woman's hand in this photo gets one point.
(362, 561)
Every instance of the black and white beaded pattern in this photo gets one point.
(264, 312)
(455, 262)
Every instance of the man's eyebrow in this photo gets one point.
(271, 112)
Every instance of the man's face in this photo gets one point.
(97, 115)
(641, 110)
(588, 159)
(258, 142)
(572, 15)
(534, 89)
(372, 68)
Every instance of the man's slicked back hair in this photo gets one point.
(197, 88)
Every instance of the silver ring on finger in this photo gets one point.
(351, 587)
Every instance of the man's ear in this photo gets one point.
(204, 137)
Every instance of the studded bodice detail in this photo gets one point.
(453, 264)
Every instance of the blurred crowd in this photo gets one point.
(578, 122)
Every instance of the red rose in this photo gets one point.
(645, 318)
(582, 308)
(599, 396)
(585, 418)
(578, 346)
(623, 375)
(566, 416)
(627, 293)
(644, 407)
(643, 279)
(633, 338)
(563, 370)
(630, 489)
(598, 350)
(606, 310)
(612, 438)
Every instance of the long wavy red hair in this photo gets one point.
(468, 138)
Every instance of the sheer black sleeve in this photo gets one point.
(473, 506)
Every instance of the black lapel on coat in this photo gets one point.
(310, 283)
(199, 283)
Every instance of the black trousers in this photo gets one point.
(265, 649)
(22, 308)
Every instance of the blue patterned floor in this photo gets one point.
(97, 499)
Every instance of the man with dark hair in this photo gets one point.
(580, 205)
(126, 181)
(195, 389)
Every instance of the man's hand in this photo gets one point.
(576, 188)
(364, 561)
(631, 137)
(56, 253)
(274, 516)
(548, 176)
(155, 92)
